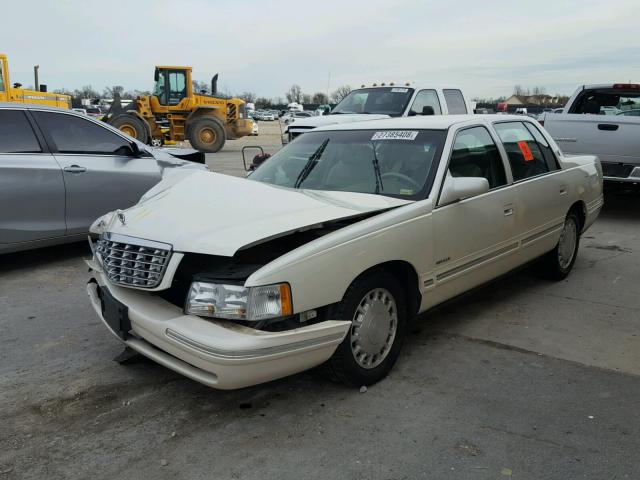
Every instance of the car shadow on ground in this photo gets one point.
(43, 257)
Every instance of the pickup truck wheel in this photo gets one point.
(375, 304)
(558, 262)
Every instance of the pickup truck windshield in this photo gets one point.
(390, 101)
(397, 163)
(607, 101)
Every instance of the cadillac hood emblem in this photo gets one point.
(121, 217)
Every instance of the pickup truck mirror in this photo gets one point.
(459, 188)
(428, 110)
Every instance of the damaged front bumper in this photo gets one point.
(217, 353)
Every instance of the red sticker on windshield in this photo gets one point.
(526, 151)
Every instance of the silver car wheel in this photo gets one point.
(373, 329)
(156, 142)
(567, 243)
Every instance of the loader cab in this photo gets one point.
(172, 85)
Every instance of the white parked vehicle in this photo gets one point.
(602, 120)
(255, 130)
(385, 101)
(332, 244)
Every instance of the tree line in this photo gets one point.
(293, 94)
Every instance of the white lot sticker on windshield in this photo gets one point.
(399, 90)
(395, 135)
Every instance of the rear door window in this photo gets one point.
(526, 156)
(16, 134)
(426, 98)
(71, 134)
(455, 101)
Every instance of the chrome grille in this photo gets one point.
(133, 261)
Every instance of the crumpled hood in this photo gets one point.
(314, 122)
(217, 214)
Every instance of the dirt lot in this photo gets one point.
(524, 379)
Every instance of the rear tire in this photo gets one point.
(132, 126)
(376, 304)
(557, 264)
(207, 134)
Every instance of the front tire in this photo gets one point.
(376, 305)
(207, 135)
(557, 264)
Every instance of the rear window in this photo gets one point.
(16, 134)
(455, 101)
(526, 155)
(608, 101)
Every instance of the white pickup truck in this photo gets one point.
(384, 101)
(602, 120)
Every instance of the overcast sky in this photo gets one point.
(486, 47)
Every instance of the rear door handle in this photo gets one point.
(607, 126)
(75, 169)
(508, 210)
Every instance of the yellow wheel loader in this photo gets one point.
(21, 95)
(174, 113)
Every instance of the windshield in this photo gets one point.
(387, 101)
(397, 163)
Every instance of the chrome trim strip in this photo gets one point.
(138, 242)
(253, 353)
(542, 233)
(477, 261)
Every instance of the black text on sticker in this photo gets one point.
(395, 135)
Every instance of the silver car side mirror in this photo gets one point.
(459, 188)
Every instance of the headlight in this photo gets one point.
(239, 303)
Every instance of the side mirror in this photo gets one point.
(156, 75)
(428, 110)
(135, 150)
(459, 188)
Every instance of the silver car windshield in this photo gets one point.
(390, 101)
(397, 163)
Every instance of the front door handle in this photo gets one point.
(508, 210)
(608, 126)
(75, 169)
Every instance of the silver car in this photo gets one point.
(60, 170)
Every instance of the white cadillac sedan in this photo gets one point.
(332, 244)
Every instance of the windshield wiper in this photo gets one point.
(311, 163)
(376, 168)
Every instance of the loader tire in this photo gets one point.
(207, 135)
(132, 126)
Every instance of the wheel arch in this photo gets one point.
(406, 274)
(580, 209)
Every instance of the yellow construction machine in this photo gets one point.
(174, 113)
(15, 93)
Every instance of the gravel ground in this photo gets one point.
(523, 379)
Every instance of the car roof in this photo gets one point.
(29, 106)
(425, 122)
(416, 86)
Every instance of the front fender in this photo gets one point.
(321, 271)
